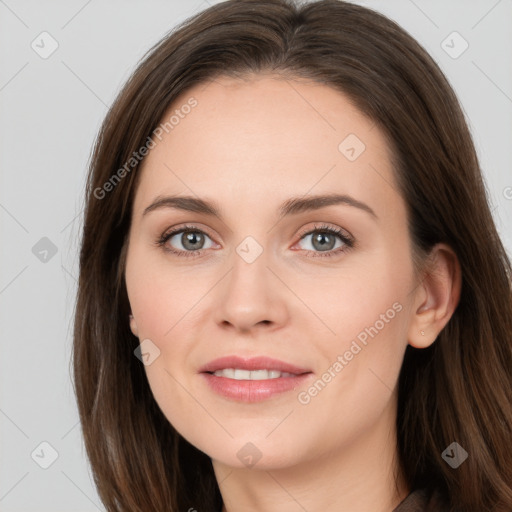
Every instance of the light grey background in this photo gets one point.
(51, 110)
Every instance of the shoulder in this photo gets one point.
(422, 500)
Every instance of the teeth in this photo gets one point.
(237, 374)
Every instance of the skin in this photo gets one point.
(249, 145)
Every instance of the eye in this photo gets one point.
(190, 238)
(324, 241)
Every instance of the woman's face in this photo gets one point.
(262, 278)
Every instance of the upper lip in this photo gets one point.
(252, 363)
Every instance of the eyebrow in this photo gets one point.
(292, 206)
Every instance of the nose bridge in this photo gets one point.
(249, 274)
(250, 250)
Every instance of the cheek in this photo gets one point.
(355, 385)
(161, 300)
(362, 301)
(366, 312)
(159, 294)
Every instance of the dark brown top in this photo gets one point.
(418, 501)
(421, 501)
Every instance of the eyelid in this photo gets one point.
(348, 241)
(185, 227)
(323, 226)
(175, 230)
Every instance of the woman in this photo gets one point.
(292, 294)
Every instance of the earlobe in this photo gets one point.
(437, 297)
(426, 334)
(133, 326)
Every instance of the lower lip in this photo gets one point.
(253, 390)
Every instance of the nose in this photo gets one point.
(251, 296)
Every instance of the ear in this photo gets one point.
(133, 326)
(436, 296)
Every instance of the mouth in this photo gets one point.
(239, 374)
(252, 380)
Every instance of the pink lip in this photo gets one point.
(253, 363)
(253, 390)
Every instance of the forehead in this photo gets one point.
(266, 137)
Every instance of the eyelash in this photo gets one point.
(349, 242)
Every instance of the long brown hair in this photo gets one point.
(459, 389)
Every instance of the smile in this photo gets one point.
(238, 374)
(254, 379)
